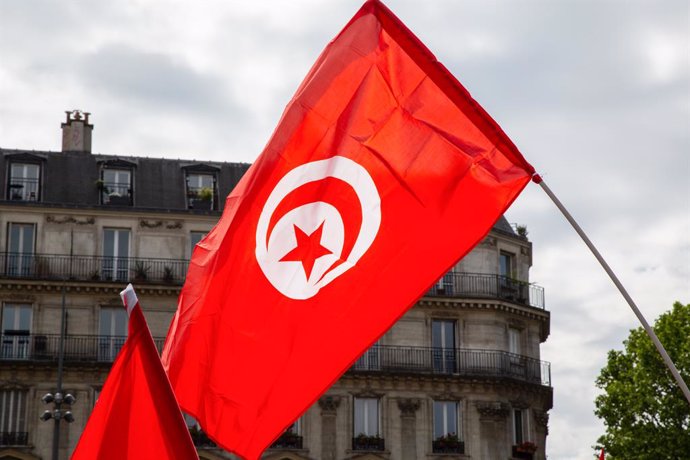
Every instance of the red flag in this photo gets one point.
(382, 173)
(136, 415)
(602, 456)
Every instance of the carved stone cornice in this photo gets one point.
(329, 404)
(492, 409)
(408, 406)
(541, 418)
(170, 225)
(25, 288)
(70, 220)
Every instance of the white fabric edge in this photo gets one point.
(129, 298)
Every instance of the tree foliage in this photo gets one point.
(644, 411)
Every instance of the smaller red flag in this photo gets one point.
(136, 415)
(602, 456)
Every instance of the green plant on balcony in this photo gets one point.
(205, 194)
(168, 274)
(367, 442)
(141, 271)
(448, 441)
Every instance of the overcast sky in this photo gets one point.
(596, 94)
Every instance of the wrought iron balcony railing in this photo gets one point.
(288, 440)
(23, 189)
(116, 193)
(92, 268)
(479, 285)
(443, 446)
(14, 438)
(78, 348)
(364, 442)
(455, 362)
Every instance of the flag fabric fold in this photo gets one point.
(381, 174)
(136, 415)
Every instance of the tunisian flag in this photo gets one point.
(382, 173)
(136, 415)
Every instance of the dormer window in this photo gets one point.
(116, 187)
(24, 181)
(201, 191)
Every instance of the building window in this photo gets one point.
(505, 264)
(116, 187)
(20, 250)
(16, 331)
(444, 346)
(447, 428)
(13, 418)
(514, 341)
(115, 254)
(201, 191)
(367, 425)
(194, 238)
(112, 331)
(24, 182)
(520, 426)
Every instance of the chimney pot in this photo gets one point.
(76, 132)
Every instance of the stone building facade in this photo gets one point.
(459, 376)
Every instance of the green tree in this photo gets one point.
(644, 410)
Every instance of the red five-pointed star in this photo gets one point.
(308, 249)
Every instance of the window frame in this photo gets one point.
(16, 341)
(115, 266)
(444, 404)
(366, 401)
(14, 413)
(111, 342)
(192, 191)
(26, 180)
(117, 197)
(444, 355)
(523, 435)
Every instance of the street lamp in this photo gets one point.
(58, 399)
(58, 413)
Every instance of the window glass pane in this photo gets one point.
(452, 418)
(16, 318)
(514, 340)
(505, 264)
(366, 416)
(195, 237)
(446, 419)
(109, 243)
(438, 420)
(443, 334)
(32, 171)
(359, 416)
(436, 334)
(106, 323)
(27, 239)
(21, 238)
(519, 433)
(123, 243)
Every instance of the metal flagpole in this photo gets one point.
(650, 332)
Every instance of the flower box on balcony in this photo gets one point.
(365, 442)
(524, 450)
(448, 444)
(288, 440)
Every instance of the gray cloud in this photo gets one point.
(595, 93)
(152, 79)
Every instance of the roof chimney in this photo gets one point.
(76, 132)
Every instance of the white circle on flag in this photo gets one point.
(304, 251)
